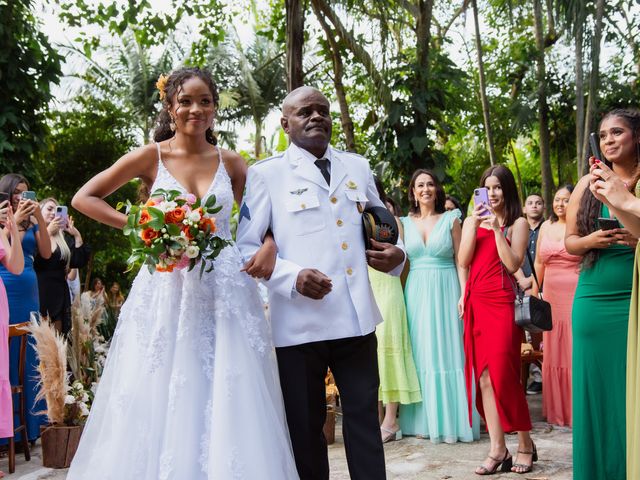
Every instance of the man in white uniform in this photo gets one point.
(322, 309)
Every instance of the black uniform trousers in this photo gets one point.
(354, 364)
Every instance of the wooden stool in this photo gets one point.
(19, 330)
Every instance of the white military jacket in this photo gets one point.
(314, 226)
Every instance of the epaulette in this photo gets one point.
(269, 158)
(352, 153)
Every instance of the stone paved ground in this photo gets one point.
(411, 458)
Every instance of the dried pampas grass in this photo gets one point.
(51, 348)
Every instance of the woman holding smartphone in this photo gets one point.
(22, 290)
(494, 239)
(601, 309)
(68, 251)
(11, 258)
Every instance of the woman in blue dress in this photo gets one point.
(432, 294)
(22, 291)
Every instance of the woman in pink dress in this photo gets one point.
(13, 260)
(558, 271)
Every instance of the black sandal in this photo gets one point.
(526, 468)
(504, 465)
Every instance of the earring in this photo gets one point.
(172, 125)
(416, 200)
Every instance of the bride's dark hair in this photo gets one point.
(171, 88)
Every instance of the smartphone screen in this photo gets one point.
(481, 195)
(4, 196)
(62, 213)
(594, 143)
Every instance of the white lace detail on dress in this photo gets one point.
(190, 387)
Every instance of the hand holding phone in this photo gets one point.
(63, 214)
(481, 197)
(603, 223)
(594, 143)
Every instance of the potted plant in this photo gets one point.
(68, 394)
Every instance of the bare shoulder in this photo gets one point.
(546, 225)
(142, 162)
(581, 186)
(233, 162)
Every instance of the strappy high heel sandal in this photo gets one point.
(524, 467)
(504, 465)
(390, 435)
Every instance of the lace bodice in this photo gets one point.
(220, 187)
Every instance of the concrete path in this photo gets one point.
(410, 458)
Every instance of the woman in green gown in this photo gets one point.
(601, 314)
(609, 188)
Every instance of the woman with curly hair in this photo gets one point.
(190, 388)
(601, 308)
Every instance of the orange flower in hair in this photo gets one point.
(161, 85)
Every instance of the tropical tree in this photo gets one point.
(128, 75)
(29, 66)
(258, 84)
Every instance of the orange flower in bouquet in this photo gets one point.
(172, 231)
(148, 235)
(145, 217)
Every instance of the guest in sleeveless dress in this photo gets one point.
(11, 258)
(494, 239)
(557, 270)
(398, 378)
(22, 293)
(190, 388)
(68, 251)
(605, 337)
(432, 294)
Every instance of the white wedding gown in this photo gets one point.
(190, 390)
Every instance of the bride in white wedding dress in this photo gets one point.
(190, 390)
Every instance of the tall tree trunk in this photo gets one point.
(360, 54)
(258, 139)
(518, 173)
(483, 87)
(295, 42)
(423, 43)
(579, 44)
(543, 110)
(594, 80)
(338, 72)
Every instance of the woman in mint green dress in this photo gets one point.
(432, 296)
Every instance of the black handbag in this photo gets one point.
(532, 314)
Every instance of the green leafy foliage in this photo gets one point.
(28, 67)
(84, 140)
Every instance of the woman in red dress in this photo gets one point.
(492, 248)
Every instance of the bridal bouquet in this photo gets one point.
(173, 231)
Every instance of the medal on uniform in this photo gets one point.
(360, 207)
